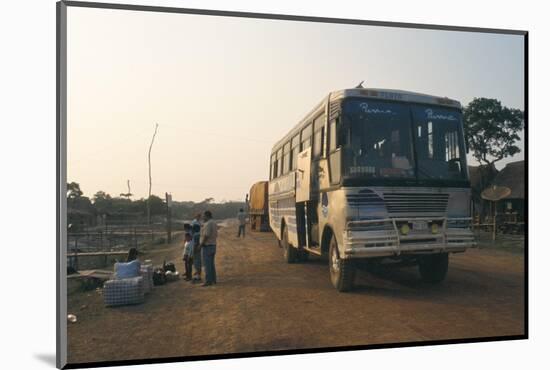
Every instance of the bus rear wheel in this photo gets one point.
(433, 267)
(290, 253)
(342, 271)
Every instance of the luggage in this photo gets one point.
(124, 270)
(146, 273)
(172, 276)
(169, 267)
(159, 277)
(120, 292)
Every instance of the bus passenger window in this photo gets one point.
(295, 148)
(306, 137)
(318, 136)
(318, 141)
(271, 167)
(333, 139)
(286, 158)
(279, 169)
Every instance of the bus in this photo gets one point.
(373, 176)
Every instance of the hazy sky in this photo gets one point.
(224, 90)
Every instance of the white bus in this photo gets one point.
(377, 175)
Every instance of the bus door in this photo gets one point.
(303, 194)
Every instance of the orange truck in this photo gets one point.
(258, 207)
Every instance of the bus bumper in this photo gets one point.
(382, 238)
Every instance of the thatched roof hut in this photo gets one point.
(480, 178)
(512, 176)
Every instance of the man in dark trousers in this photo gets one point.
(209, 234)
(241, 216)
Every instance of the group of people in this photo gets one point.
(200, 249)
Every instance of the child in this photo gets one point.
(188, 256)
(197, 263)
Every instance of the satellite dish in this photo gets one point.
(495, 193)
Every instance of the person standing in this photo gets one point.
(197, 261)
(209, 234)
(196, 220)
(188, 256)
(241, 216)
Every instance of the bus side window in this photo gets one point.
(336, 139)
(279, 162)
(295, 148)
(306, 137)
(286, 158)
(273, 167)
(318, 142)
(318, 136)
(333, 138)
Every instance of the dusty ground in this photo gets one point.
(261, 303)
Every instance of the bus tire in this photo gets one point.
(433, 267)
(289, 252)
(342, 271)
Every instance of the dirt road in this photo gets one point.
(261, 303)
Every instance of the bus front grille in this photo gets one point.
(428, 203)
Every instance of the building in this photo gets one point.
(481, 178)
(513, 206)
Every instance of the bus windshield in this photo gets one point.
(439, 145)
(379, 142)
(382, 137)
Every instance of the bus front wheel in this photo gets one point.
(290, 253)
(342, 271)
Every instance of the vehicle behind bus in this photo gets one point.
(257, 207)
(373, 175)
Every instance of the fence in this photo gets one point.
(115, 239)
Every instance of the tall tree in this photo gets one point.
(491, 130)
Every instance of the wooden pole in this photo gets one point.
(168, 220)
(150, 178)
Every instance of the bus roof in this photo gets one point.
(374, 93)
(398, 95)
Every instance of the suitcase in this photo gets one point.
(121, 292)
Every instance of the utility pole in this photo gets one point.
(150, 179)
(169, 217)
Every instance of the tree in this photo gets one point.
(102, 202)
(491, 130)
(73, 190)
(156, 205)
